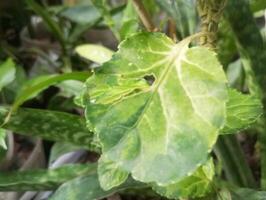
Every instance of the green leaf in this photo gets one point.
(60, 148)
(70, 88)
(88, 188)
(96, 53)
(252, 50)
(257, 5)
(102, 6)
(242, 111)
(34, 86)
(184, 13)
(247, 194)
(82, 28)
(235, 74)
(52, 25)
(194, 186)
(38, 180)
(82, 14)
(226, 47)
(235, 167)
(11, 91)
(3, 138)
(51, 125)
(161, 130)
(7, 73)
(130, 22)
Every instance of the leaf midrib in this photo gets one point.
(176, 54)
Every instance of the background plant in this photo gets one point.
(164, 86)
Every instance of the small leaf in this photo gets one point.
(96, 53)
(242, 112)
(3, 138)
(34, 86)
(82, 14)
(70, 88)
(51, 125)
(194, 186)
(48, 20)
(171, 123)
(7, 73)
(60, 148)
(88, 188)
(234, 74)
(38, 180)
(102, 6)
(184, 13)
(129, 22)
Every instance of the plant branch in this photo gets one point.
(172, 29)
(227, 148)
(210, 12)
(144, 16)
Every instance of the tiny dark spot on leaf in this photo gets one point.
(150, 79)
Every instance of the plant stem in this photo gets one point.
(70, 2)
(227, 148)
(210, 12)
(144, 15)
(235, 166)
(172, 29)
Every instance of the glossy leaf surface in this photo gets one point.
(3, 138)
(7, 73)
(40, 179)
(34, 86)
(96, 53)
(51, 125)
(88, 188)
(174, 98)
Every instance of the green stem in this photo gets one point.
(227, 148)
(210, 12)
(144, 16)
(235, 166)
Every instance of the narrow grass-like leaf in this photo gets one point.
(88, 188)
(235, 166)
(247, 194)
(174, 97)
(41, 179)
(34, 86)
(48, 21)
(51, 125)
(7, 73)
(252, 50)
(60, 148)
